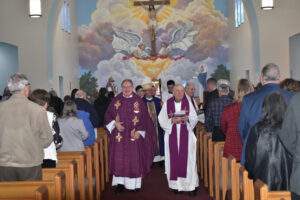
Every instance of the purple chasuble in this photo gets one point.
(178, 157)
(128, 157)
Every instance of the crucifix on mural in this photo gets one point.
(152, 18)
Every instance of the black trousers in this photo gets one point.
(217, 135)
(20, 173)
(47, 163)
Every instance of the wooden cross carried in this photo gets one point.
(151, 8)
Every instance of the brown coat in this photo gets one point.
(24, 132)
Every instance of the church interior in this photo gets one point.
(170, 99)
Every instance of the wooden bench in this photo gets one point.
(198, 134)
(30, 189)
(29, 193)
(228, 179)
(89, 171)
(69, 168)
(102, 134)
(218, 154)
(262, 192)
(97, 169)
(102, 163)
(206, 136)
(79, 157)
(245, 189)
(201, 153)
(211, 167)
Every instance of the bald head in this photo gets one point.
(178, 92)
(190, 89)
(270, 73)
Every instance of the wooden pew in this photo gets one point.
(229, 179)
(198, 134)
(211, 167)
(30, 189)
(69, 168)
(245, 189)
(218, 154)
(205, 158)
(102, 134)
(102, 164)
(79, 157)
(28, 193)
(201, 148)
(97, 169)
(89, 171)
(262, 192)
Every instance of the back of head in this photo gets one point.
(67, 98)
(137, 88)
(270, 73)
(223, 86)
(17, 83)
(70, 109)
(53, 93)
(290, 84)
(244, 87)
(274, 108)
(211, 84)
(73, 93)
(170, 82)
(40, 97)
(102, 91)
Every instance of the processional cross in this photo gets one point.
(152, 16)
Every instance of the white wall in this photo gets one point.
(8, 63)
(65, 54)
(240, 48)
(295, 56)
(274, 28)
(31, 36)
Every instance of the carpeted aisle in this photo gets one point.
(155, 187)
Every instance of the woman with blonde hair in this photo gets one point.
(72, 128)
(230, 119)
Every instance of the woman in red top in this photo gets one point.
(230, 121)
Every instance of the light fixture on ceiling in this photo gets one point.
(35, 8)
(267, 4)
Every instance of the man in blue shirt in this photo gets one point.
(251, 111)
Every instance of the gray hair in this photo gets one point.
(17, 83)
(189, 84)
(270, 72)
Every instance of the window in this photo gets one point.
(239, 12)
(65, 18)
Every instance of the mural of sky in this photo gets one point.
(175, 41)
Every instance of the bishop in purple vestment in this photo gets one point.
(131, 138)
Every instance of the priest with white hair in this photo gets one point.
(178, 118)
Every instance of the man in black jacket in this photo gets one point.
(84, 105)
(290, 137)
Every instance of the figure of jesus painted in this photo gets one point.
(132, 141)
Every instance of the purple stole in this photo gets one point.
(178, 157)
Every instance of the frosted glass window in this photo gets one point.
(65, 17)
(239, 13)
